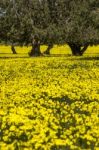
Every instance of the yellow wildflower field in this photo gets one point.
(49, 103)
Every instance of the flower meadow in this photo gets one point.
(49, 103)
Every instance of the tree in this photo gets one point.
(78, 23)
(20, 22)
(74, 22)
(9, 24)
(35, 51)
(83, 30)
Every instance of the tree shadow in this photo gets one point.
(13, 57)
(88, 58)
(67, 56)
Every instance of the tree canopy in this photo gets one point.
(75, 22)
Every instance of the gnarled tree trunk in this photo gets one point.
(13, 49)
(47, 51)
(77, 49)
(35, 51)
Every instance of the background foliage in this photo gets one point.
(57, 22)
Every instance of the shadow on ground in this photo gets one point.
(68, 56)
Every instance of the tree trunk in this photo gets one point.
(84, 48)
(13, 50)
(47, 51)
(35, 51)
(77, 49)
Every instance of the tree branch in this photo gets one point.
(84, 48)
